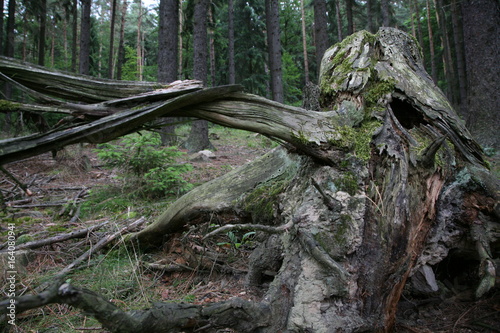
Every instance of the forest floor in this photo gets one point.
(74, 192)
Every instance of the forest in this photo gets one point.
(350, 182)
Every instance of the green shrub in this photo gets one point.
(149, 169)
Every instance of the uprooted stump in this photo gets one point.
(373, 191)
(376, 188)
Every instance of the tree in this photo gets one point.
(230, 49)
(85, 38)
(356, 203)
(198, 136)
(42, 28)
(320, 30)
(482, 54)
(9, 45)
(112, 39)
(168, 55)
(274, 49)
(121, 43)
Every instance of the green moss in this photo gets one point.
(260, 203)
(300, 138)
(8, 105)
(357, 139)
(377, 90)
(348, 182)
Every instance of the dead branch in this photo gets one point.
(258, 227)
(60, 238)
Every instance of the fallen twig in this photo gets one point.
(259, 227)
(59, 238)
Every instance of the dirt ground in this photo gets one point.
(76, 170)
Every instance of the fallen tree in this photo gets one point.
(377, 189)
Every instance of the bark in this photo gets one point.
(41, 42)
(304, 41)
(356, 202)
(431, 43)
(350, 20)
(274, 49)
(198, 136)
(320, 30)
(9, 45)
(85, 38)
(168, 40)
(112, 40)
(481, 20)
(230, 41)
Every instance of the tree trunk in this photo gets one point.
(42, 29)
(74, 36)
(85, 38)
(481, 20)
(386, 15)
(198, 136)
(230, 42)
(459, 58)
(304, 41)
(358, 201)
(9, 45)
(431, 43)
(121, 43)
(112, 40)
(274, 49)
(350, 19)
(320, 30)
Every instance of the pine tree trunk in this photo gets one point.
(481, 20)
(230, 47)
(304, 42)
(121, 43)
(320, 30)
(274, 47)
(85, 38)
(112, 40)
(198, 136)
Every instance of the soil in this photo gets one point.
(54, 182)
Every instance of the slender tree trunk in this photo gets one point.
(419, 27)
(459, 57)
(304, 42)
(320, 30)
(230, 47)
(274, 47)
(74, 37)
(139, 43)
(9, 46)
(386, 15)
(121, 43)
(369, 16)
(42, 32)
(168, 41)
(340, 34)
(481, 21)
(447, 60)
(85, 38)
(431, 42)
(1, 26)
(112, 40)
(211, 43)
(348, 13)
(198, 137)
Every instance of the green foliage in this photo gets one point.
(237, 242)
(147, 168)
